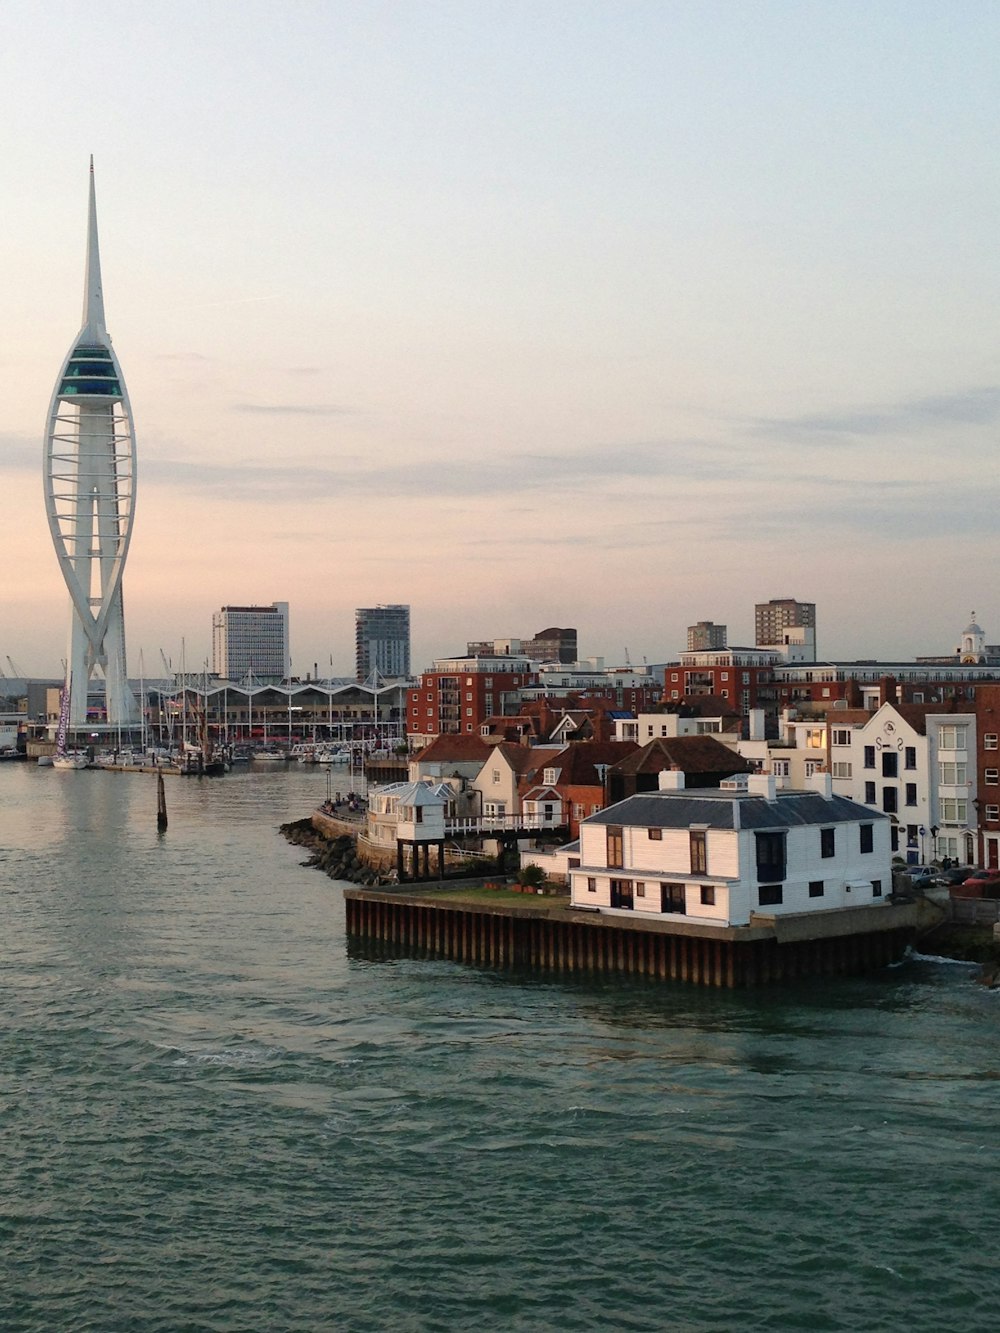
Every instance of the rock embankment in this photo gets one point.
(336, 857)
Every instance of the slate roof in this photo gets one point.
(715, 809)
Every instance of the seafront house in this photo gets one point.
(917, 764)
(498, 781)
(733, 855)
(573, 782)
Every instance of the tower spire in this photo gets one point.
(93, 292)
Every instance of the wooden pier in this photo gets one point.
(558, 939)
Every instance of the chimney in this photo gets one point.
(671, 779)
(756, 724)
(822, 783)
(762, 784)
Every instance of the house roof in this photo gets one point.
(525, 759)
(453, 748)
(717, 809)
(579, 764)
(691, 754)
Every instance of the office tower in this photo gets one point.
(382, 640)
(89, 498)
(251, 639)
(552, 645)
(705, 637)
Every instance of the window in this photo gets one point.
(869, 756)
(841, 736)
(781, 767)
(654, 834)
(876, 888)
(673, 898)
(673, 675)
(827, 842)
(815, 739)
(621, 893)
(870, 797)
(495, 776)
(954, 810)
(770, 856)
(615, 848)
(815, 888)
(708, 895)
(591, 884)
(699, 853)
(890, 800)
(890, 764)
(990, 741)
(991, 777)
(768, 895)
(468, 698)
(911, 793)
(468, 712)
(910, 757)
(952, 775)
(640, 888)
(992, 813)
(577, 811)
(951, 738)
(723, 675)
(813, 766)
(866, 842)
(548, 777)
(841, 770)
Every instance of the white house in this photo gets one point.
(917, 764)
(497, 781)
(717, 856)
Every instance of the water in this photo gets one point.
(215, 1116)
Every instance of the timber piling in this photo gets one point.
(560, 940)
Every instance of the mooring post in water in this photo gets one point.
(161, 804)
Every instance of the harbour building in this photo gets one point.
(251, 640)
(382, 640)
(89, 480)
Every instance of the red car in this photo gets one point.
(982, 884)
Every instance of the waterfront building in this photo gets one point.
(460, 693)
(382, 641)
(987, 776)
(916, 763)
(734, 855)
(251, 640)
(90, 465)
(705, 636)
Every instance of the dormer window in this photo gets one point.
(549, 778)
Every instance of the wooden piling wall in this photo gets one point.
(567, 943)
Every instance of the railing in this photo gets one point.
(505, 823)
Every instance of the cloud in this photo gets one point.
(293, 409)
(966, 407)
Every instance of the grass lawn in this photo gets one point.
(502, 897)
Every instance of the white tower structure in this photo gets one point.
(89, 497)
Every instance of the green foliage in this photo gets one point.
(531, 876)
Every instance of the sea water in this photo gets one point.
(217, 1114)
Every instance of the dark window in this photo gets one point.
(911, 793)
(815, 888)
(890, 800)
(673, 898)
(870, 797)
(770, 856)
(769, 894)
(640, 888)
(615, 849)
(827, 842)
(591, 884)
(656, 834)
(910, 757)
(866, 837)
(876, 888)
(708, 895)
(890, 764)
(869, 756)
(894, 838)
(699, 853)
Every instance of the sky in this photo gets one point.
(605, 314)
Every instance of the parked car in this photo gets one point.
(985, 881)
(956, 875)
(921, 877)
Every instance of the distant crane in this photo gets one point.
(166, 665)
(16, 669)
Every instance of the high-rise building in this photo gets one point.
(251, 639)
(705, 637)
(89, 497)
(785, 623)
(548, 645)
(382, 640)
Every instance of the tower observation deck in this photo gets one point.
(89, 496)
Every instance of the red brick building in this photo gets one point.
(459, 694)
